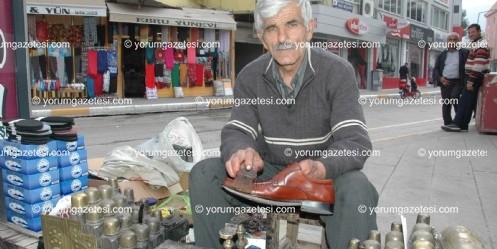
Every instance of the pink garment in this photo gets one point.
(191, 56)
(169, 54)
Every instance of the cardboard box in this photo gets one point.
(140, 189)
(30, 210)
(32, 196)
(73, 158)
(29, 166)
(72, 146)
(72, 172)
(31, 223)
(28, 151)
(31, 181)
(75, 185)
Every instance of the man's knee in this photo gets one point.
(354, 185)
(206, 170)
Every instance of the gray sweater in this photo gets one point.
(326, 122)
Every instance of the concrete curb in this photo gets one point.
(90, 111)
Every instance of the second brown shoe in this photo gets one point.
(291, 187)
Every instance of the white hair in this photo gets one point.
(270, 8)
(454, 34)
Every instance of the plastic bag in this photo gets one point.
(179, 133)
(179, 203)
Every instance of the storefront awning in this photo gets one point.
(186, 17)
(67, 7)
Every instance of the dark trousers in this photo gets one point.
(467, 104)
(352, 190)
(450, 94)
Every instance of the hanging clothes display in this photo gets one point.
(150, 76)
(192, 75)
(99, 84)
(102, 62)
(92, 62)
(175, 76)
(90, 30)
(191, 55)
(183, 74)
(169, 55)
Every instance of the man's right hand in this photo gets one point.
(247, 158)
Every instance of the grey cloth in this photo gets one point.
(326, 115)
(352, 190)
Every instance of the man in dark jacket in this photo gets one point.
(449, 75)
(403, 72)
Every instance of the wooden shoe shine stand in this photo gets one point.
(274, 238)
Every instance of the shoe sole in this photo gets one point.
(450, 129)
(313, 207)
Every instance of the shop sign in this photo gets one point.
(176, 22)
(340, 4)
(356, 26)
(70, 11)
(402, 30)
(419, 33)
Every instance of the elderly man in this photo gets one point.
(450, 76)
(321, 127)
(477, 64)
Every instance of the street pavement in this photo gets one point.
(106, 107)
(452, 176)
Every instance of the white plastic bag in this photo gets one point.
(178, 132)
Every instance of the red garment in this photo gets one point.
(98, 84)
(200, 75)
(42, 31)
(92, 63)
(179, 56)
(194, 34)
(191, 55)
(150, 75)
(192, 77)
(159, 55)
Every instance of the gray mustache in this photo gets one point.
(286, 45)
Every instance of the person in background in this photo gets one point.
(403, 72)
(477, 64)
(449, 74)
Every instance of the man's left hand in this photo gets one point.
(469, 86)
(313, 169)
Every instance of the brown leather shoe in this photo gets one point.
(291, 187)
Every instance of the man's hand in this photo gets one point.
(247, 158)
(444, 81)
(313, 169)
(469, 86)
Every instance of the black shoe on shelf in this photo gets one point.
(451, 128)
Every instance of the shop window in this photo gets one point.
(415, 60)
(439, 18)
(416, 10)
(388, 58)
(393, 6)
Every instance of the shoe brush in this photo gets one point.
(244, 179)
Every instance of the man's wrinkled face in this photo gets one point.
(285, 35)
(452, 41)
(473, 34)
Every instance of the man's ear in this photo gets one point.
(310, 28)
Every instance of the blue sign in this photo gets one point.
(340, 4)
